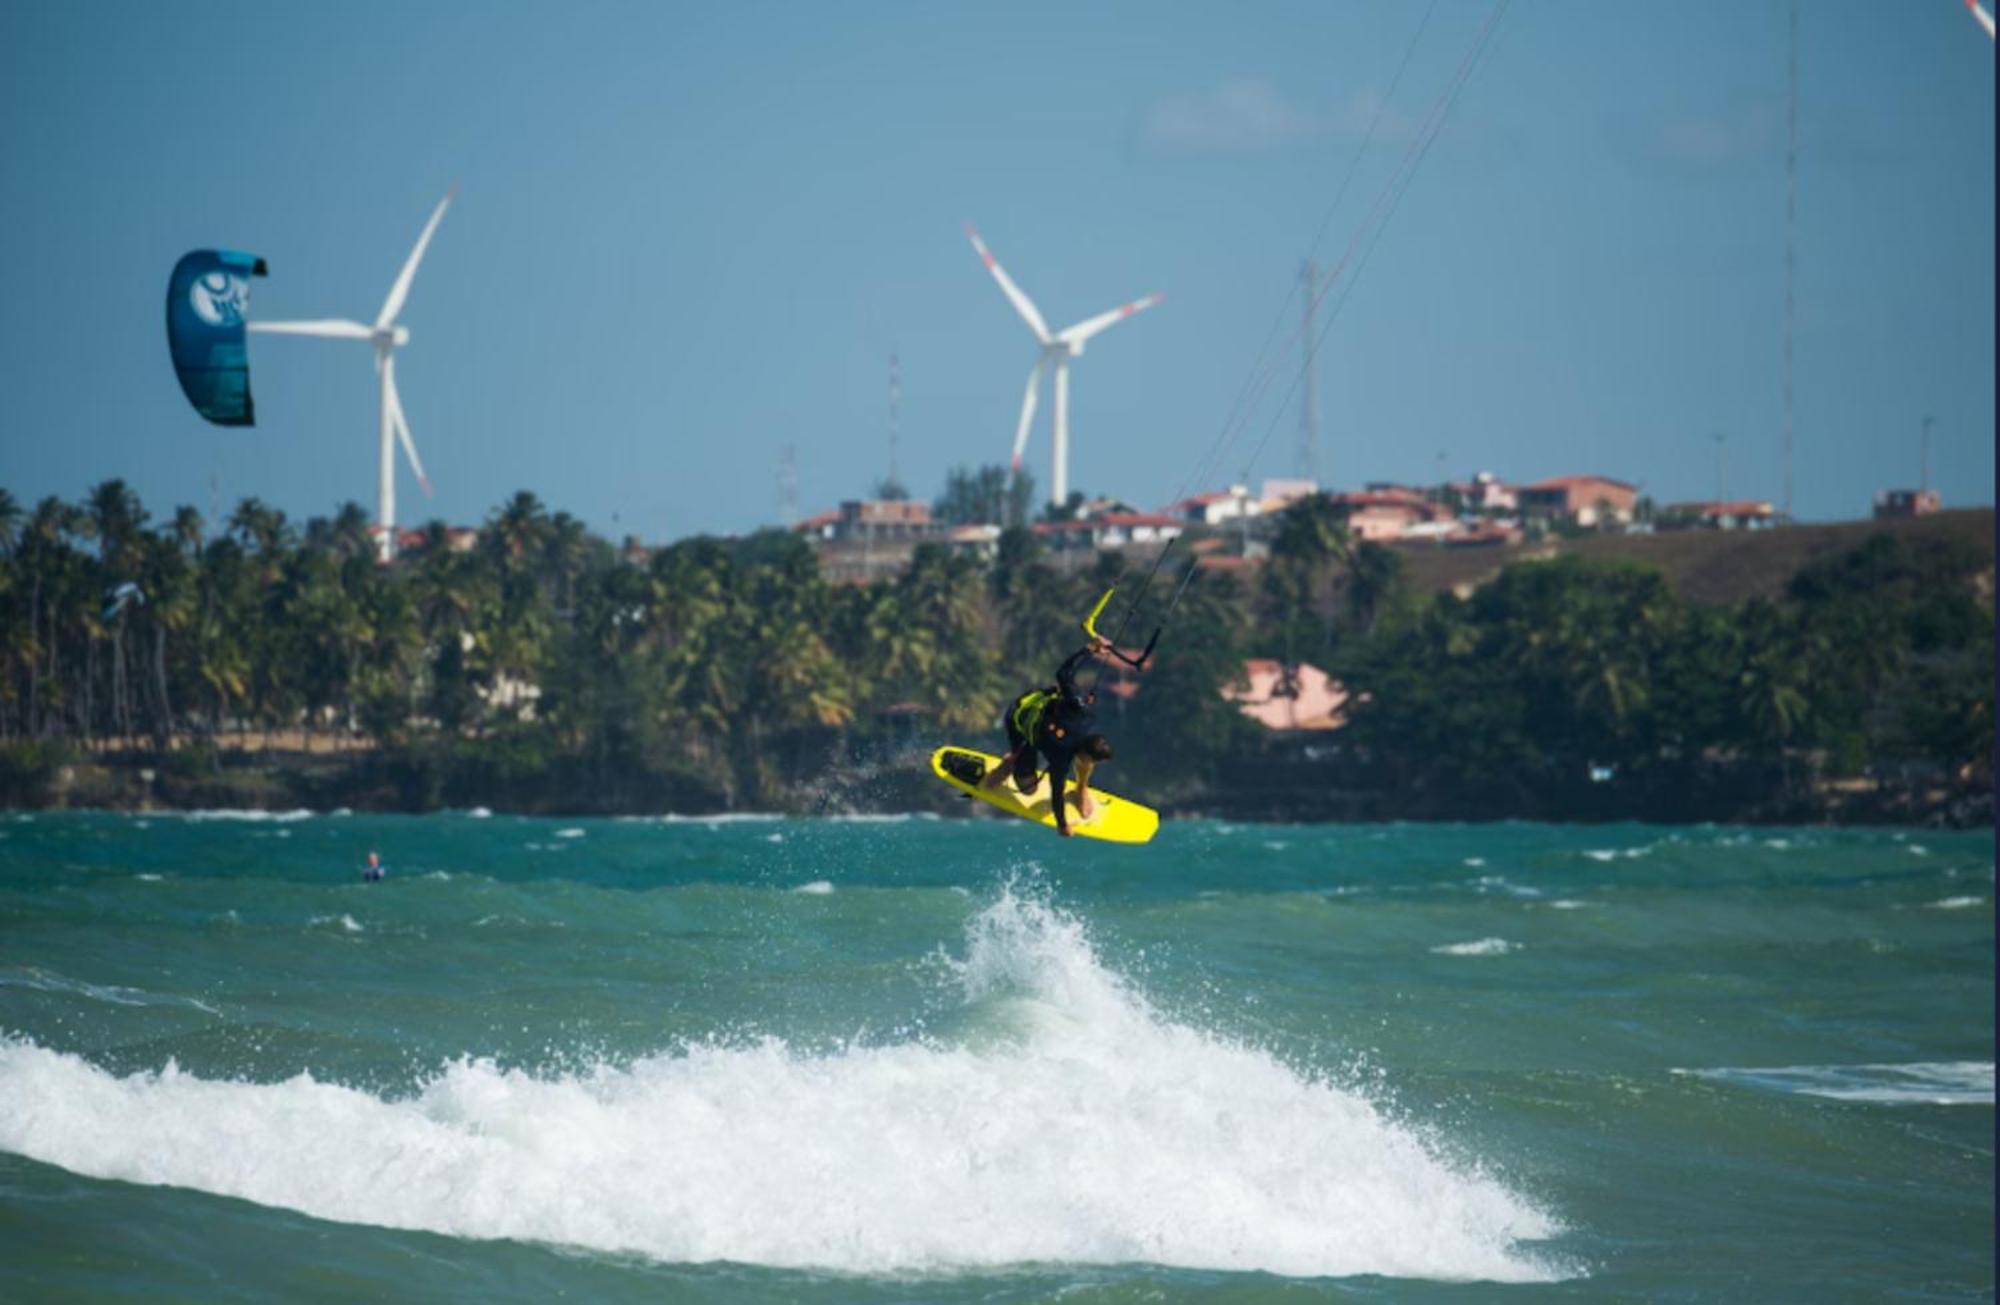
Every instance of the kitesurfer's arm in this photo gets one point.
(1058, 780)
(1066, 673)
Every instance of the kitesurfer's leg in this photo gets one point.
(1086, 805)
(1020, 755)
(1026, 774)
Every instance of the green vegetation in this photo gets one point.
(539, 667)
(1877, 664)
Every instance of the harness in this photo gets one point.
(1029, 709)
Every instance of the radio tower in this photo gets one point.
(788, 486)
(1307, 467)
(895, 405)
(1791, 231)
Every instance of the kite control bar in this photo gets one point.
(1090, 628)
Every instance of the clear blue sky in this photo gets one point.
(689, 235)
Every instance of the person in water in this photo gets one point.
(374, 870)
(1056, 721)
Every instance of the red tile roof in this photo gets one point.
(1570, 482)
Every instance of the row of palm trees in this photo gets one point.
(719, 654)
(542, 644)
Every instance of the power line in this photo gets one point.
(1307, 467)
(1367, 236)
(1265, 367)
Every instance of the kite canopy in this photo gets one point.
(208, 299)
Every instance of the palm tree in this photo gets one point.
(117, 517)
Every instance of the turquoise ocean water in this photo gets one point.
(921, 1060)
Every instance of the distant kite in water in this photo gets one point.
(208, 300)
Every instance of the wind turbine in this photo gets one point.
(1057, 349)
(385, 335)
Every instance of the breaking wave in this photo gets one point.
(1072, 1122)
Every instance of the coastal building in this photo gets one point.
(1585, 500)
(1113, 530)
(1740, 514)
(1482, 534)
(864, 540)
(1212, 509)
(1280, 492)
(1891, 503)
(1284, 697)
(981, 541)
(1388, 513)
(1485, 492)
(458, 539)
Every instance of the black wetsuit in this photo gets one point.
(1054, 720)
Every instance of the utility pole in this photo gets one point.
(1719, 439)
(1307, 462)
(1791, 231)
(1926, 485)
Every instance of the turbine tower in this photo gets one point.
(1057, 349)
(385, 335)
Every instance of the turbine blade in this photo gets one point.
(1027, 415)
(401, 290)
(403, 429)
(1022, 304)
(1985, 19)
(330, 328)
(1091, 326)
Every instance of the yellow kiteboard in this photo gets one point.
(1114, 819)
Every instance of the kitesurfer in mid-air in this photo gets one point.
(1056, 722)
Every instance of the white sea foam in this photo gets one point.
(1478, 947)
(1500, 884)
(480, 813)
(1475, 861)
(1602, 854)
(1955, 903)
(346, 922)
(1923, 1082)
(571, 832)
(147, 876)
(774, 838)
(1918, 849)
(817, 888)
(723, 818)
(231, 813)
(42, 980)
(1078, 1124)
(1568, 904)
